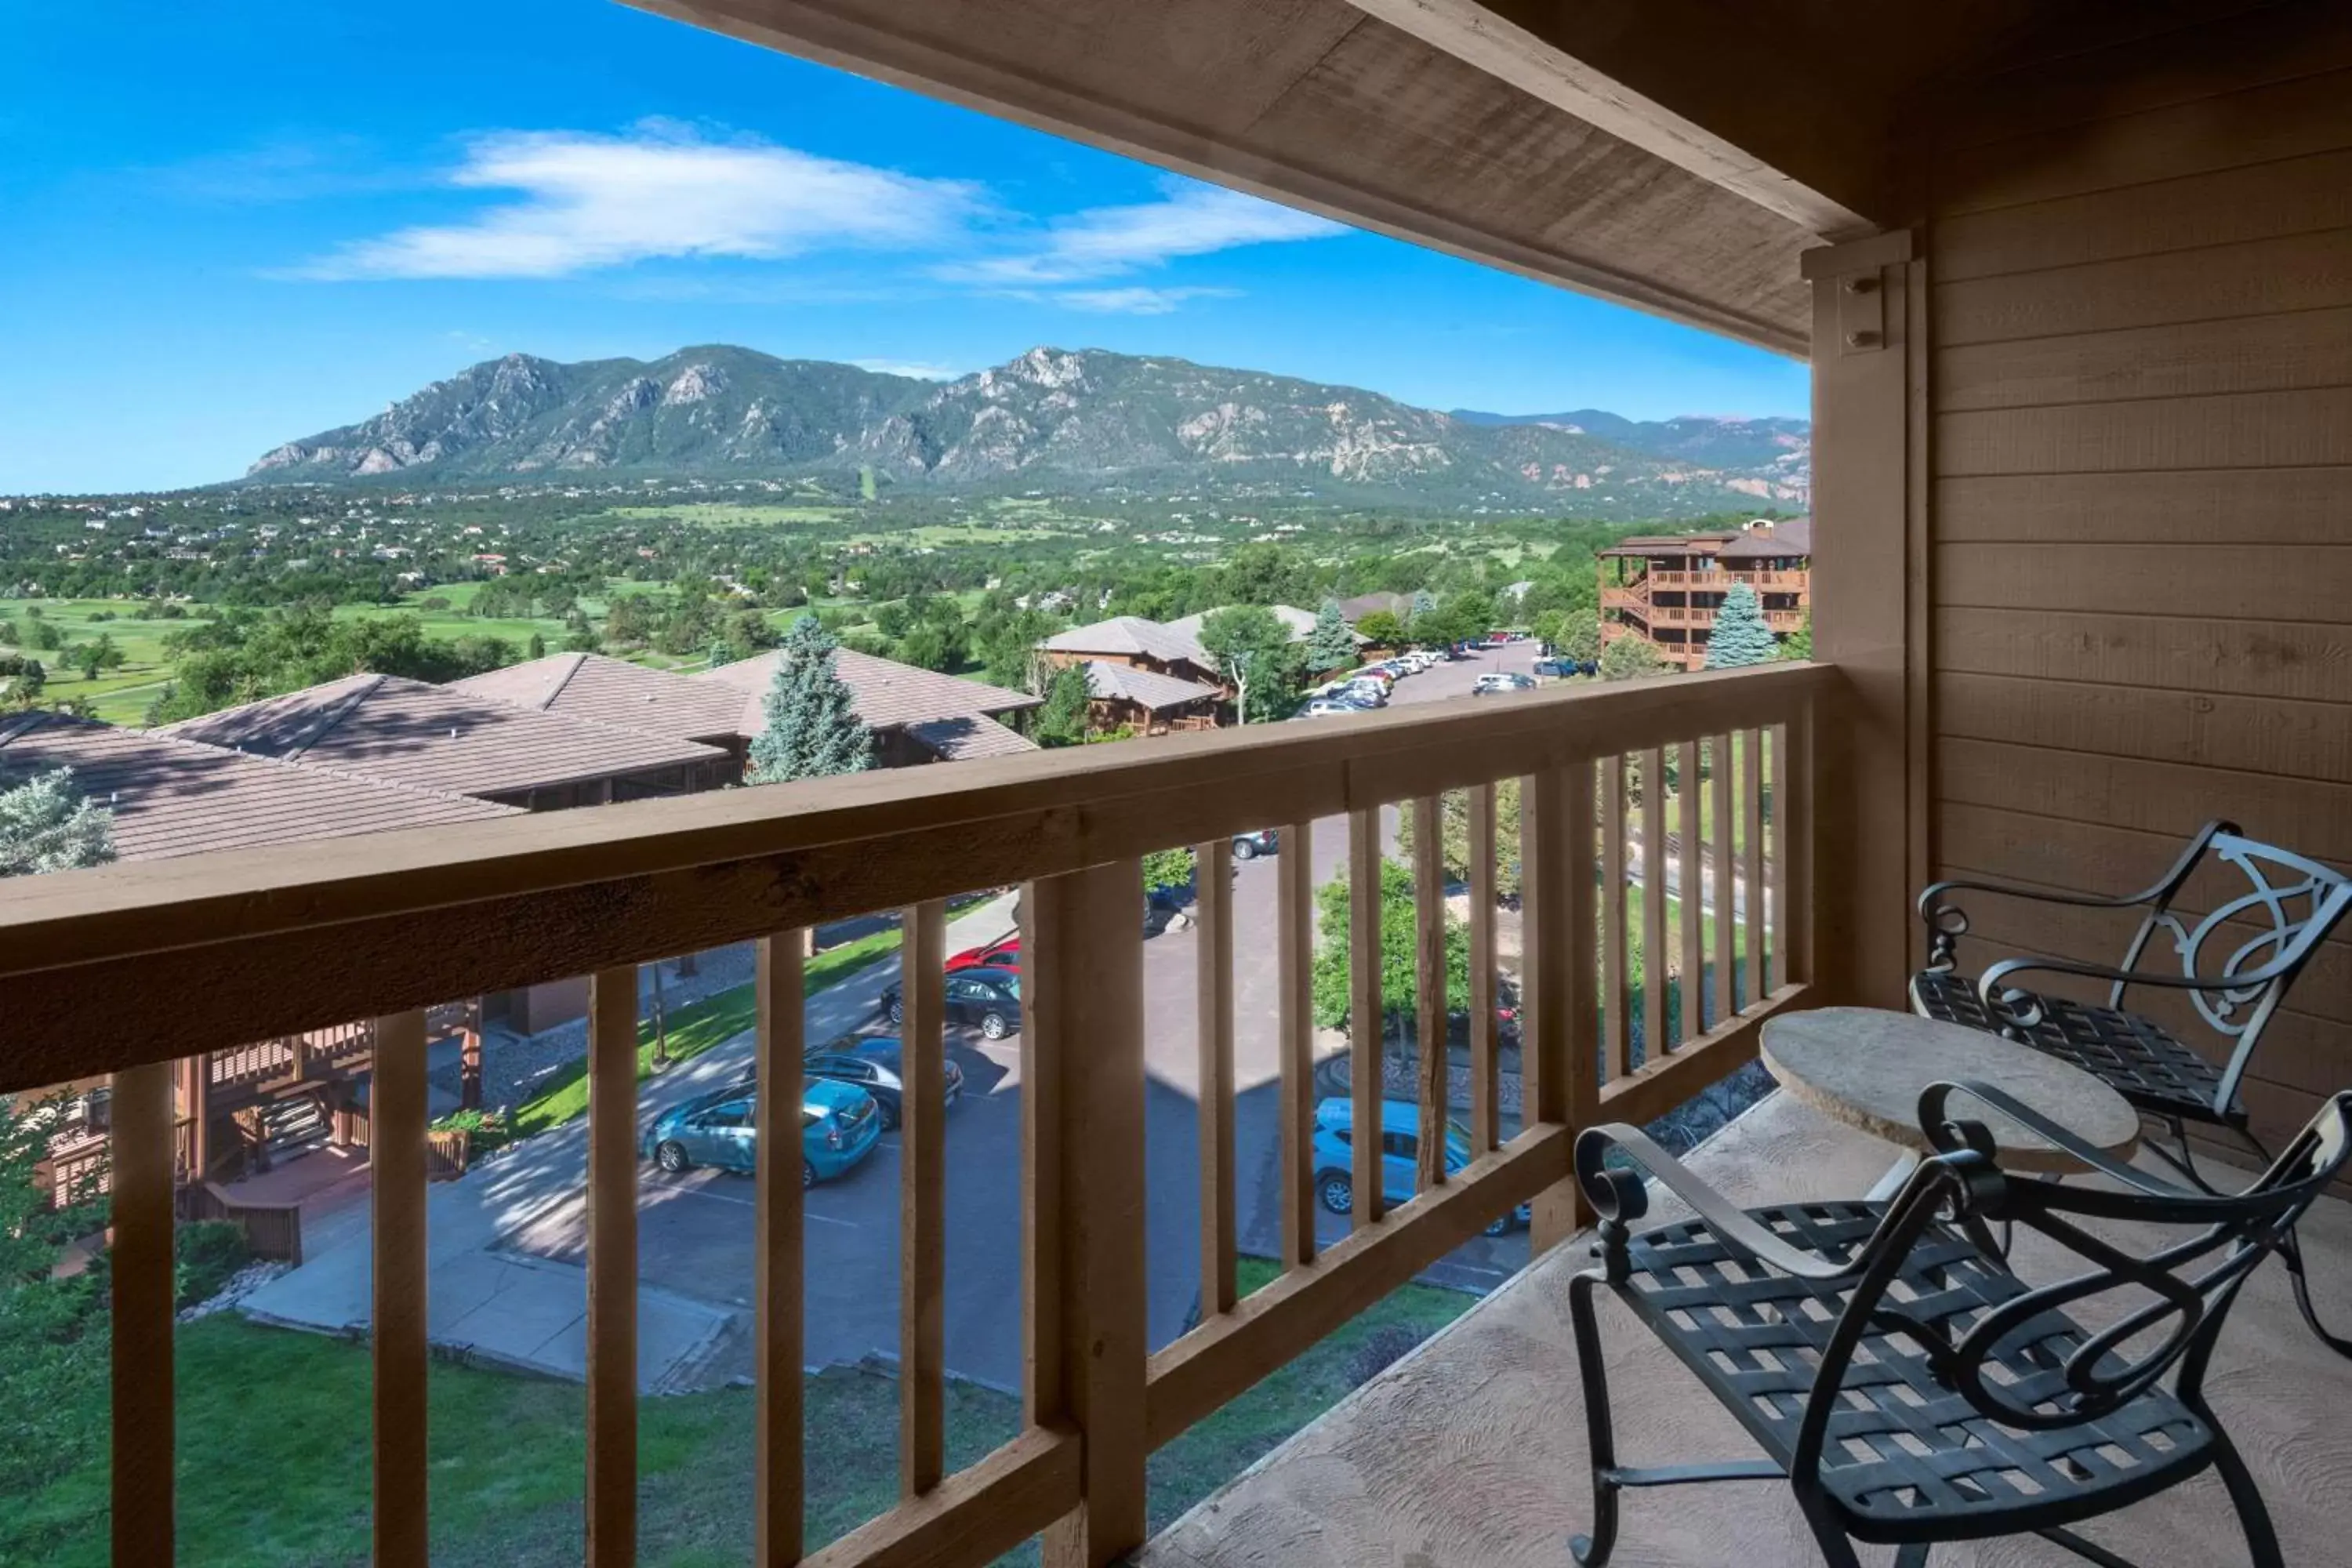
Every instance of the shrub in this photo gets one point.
(489, 1128)
(205, 1254)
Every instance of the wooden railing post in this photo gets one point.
(922, 1201)
(1367, 1013)
(139, 1277)
(777, 1534)
(1486, 1033)
(611, 1498)
(1083, 967)
(1213, 1021)
(1548, 1066)
(1294, 1038)
(397, 1106)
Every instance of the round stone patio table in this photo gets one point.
(1866, 1067)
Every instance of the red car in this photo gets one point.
(1004, 954)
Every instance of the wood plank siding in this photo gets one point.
(2141, 481)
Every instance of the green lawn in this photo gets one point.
(120, 695)
(274, 1451)
(696, 1027)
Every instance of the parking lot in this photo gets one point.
(695, 1235)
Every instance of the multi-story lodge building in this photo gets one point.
(1666, 588)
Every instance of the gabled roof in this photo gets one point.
(1107, 681)
(607, 690)
(1790, 536)
(1363, 605)
(173, 796)
(959, 739)
(1131, 636)
(1300, 623)
(886, 694)
(435, 737)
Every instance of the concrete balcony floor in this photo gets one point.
(1471, 1451)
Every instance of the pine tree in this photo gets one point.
(46, 825)
(1740, 638)
(812, 728)
(1330, 645)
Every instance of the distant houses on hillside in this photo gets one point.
(1153, 676)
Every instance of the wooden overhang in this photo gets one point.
(1676, 155)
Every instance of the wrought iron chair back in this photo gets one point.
(2237, 962)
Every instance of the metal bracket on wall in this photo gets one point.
(1855, 269)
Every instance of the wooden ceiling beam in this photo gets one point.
(1245, 92)
(1715, 89)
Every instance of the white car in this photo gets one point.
(1492, 682)
(1325, 707)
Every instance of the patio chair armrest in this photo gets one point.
(2024, 1008)
(1621, 1199)
(1932, 896)
(1949, 1135)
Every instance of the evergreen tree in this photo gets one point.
(1330, 645)
(812, 728)
(1061, 722)
(536, 648)
(46, 825)
(1740, 638)
(1423, 601)
(1799, 644)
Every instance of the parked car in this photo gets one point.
(839, 1125)
(1250, 846)
(874, 1063)
(1562, 667)
(1335, 1130)
(1327, 707)
(1494, 681)
(988, 999)
(1003, 953)
(1368, 693)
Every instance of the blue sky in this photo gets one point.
(227, 226)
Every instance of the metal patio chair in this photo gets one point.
(2237, 964)
(1906, 1384)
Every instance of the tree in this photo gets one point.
(47, 825)
(536, 648)
(1252, 648)
(1801, 641)
(1629, 659)
(1579, 636)
(1399, 952)
(1383, 629)
(21, 678)
(1165, 868)
(811, 729)
(1453, 836)
(1740, 637)
(1423, 601)
(1330, 645)
(1061, 722)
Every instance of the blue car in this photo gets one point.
(839, 1126)
(1335, 1137)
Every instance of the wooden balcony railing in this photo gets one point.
(126, 968)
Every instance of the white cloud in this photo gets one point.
(1130, 301)
(589, 201)
(1192, 219)
(916, 368)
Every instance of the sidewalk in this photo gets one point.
(490, 1300)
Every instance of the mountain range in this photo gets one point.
(1051, 418)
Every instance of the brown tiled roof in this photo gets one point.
(1669, 544)
(1792, 536)
(1363, 605)
(406, 732)
(956, 740)
(1131, 636)
(607, 690)
(888, 694)
(173, 796)
(1106, 680)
